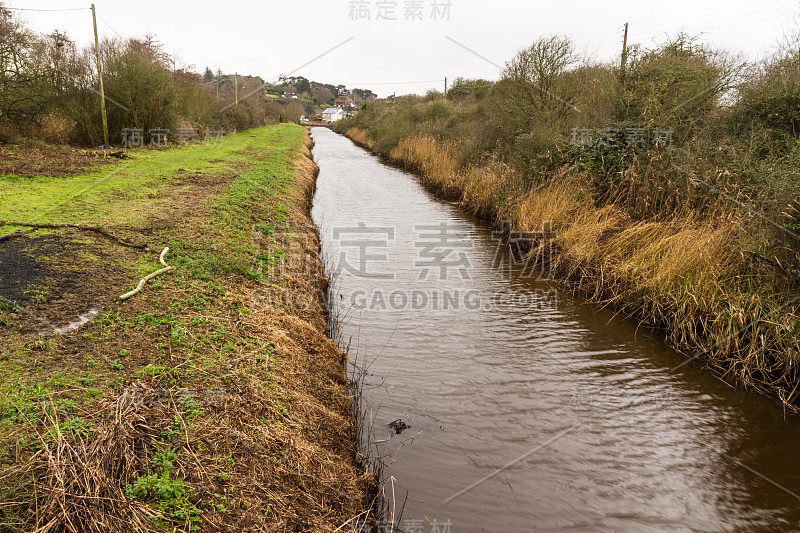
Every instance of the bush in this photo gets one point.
(772, 95)
(139, 87)
(676, 84)
(464, 87)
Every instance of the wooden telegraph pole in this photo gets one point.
(624, 51)
(236, 86)
(445, 86)
(100, 76)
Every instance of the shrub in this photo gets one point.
(676, 84)
(464, 87)
(772, 94)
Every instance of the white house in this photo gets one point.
(332, 114)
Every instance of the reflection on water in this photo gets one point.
(82, 319)
(529, 410)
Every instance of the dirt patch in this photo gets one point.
(48, 281)
(18, 270)
(50, 160)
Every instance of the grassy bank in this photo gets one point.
(695, 238)
(211, 400)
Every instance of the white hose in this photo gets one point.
(166, 268)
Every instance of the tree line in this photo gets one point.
(49, 90)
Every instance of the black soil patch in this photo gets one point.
(47, 281)
(21, 274)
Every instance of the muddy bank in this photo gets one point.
(213, 400)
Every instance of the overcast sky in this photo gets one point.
(334, 42)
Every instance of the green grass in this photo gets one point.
(233, 215)
(113, 193)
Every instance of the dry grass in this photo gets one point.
(433, 161)
(77, 480)
(360, 137)
(483, 188)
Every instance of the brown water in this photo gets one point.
(529, 410)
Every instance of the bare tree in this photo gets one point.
(541, 64)
(21, 98)
(322, 95)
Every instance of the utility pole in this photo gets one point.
(445, 86)
(236, 86)
(100, 76)
(217, 82)
(624, 51)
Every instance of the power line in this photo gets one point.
(746, 22)
(711, 27)
(649, 31)
(653, 25)
(712, 19)
(601, 37)
(397, 82)
(109, 26)
(50, 10)
(703, 13)
(605, 45)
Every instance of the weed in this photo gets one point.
(61, 407)
(92, 394)
(151, 371)
(40, 345)
(37, 293)
(171, 496)
(174, 432)
(73, 428)
(191, 408)
(164, 459)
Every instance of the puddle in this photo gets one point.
(82, 319)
